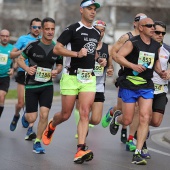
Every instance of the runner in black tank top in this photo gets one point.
(139, 54)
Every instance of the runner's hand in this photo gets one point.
(139, 68)
(54, 73)
(82, 53)
(102, 62)
(31, 70)
(110, 72)
(11, 71)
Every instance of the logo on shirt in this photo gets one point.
(166, 57)
(84, 34)
(91, 47)
(38, 56)
(54, 58)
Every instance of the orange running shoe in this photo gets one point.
(48, 134)
(82, 156)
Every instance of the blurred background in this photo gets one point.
(15, 15)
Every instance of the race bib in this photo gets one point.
(98, 69)
(3, 59)
(43, 74)
(159, 88)
(84, 75)
(145, 57)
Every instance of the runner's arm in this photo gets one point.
(59, 49)
(15, 53)
(121, 58)
(110, 68)
(117, 45)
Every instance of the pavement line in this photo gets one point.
(156, 129)
(157, 151)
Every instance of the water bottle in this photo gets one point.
(135, 73)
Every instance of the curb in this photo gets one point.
(166, 137)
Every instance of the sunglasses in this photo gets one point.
(159, 32)
(35, 27)
(149, 25)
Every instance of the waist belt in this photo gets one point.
(71, 71)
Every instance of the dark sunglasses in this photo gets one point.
(159, 32)
(149, 25)
(35, 27)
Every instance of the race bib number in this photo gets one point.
(159, 88)
(145, 57)
(84, 75)
(98, 69)
(43, 74)
(3, 59)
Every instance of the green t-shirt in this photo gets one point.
(5, 61)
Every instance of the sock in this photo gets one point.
(135, 136)
(137, 151)
(124, 130)
(130, 137)
(144, 145)
(51, 126)
(77, 116)
(111, 112)
(1, 110)
(117, 123)
(81, 147)
(37, 140)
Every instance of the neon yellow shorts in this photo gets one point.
(69, 85)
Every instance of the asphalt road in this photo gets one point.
(109, 152)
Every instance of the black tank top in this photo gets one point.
(139, 45)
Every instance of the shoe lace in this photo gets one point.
(38, 144)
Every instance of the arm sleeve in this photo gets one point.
(25, 53)
(65, 36)
(59, 60)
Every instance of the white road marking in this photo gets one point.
(161, 128)
(157, 151)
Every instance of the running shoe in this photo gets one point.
(113, 126)
(107, 118)
(123, 137)
(37, 148)
(138, 160)
(48, 134)
(130, 146)
(14, 122)
(25, 123)
(83, 155)
(30, 135)
(145, 153)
